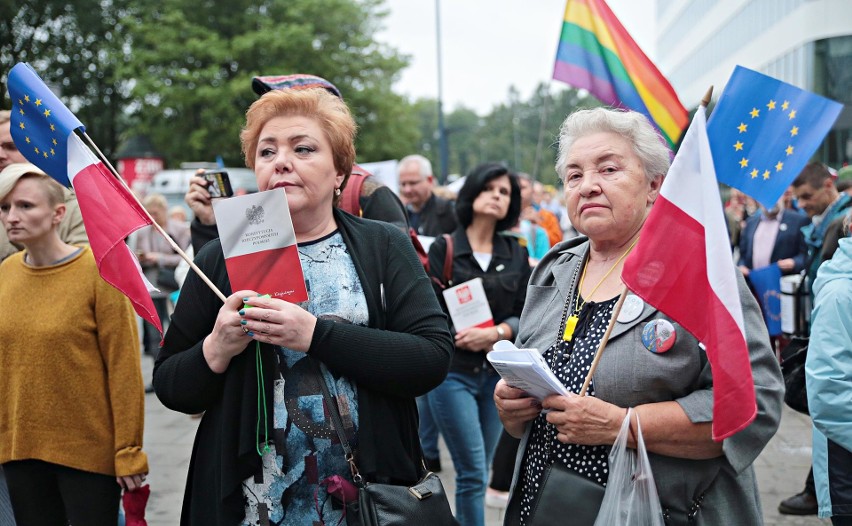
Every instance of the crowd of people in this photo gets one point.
(376, 341)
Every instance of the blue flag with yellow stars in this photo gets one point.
(40, 122)
(767, 287)
(763, 132)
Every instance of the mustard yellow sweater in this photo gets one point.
(71, 388)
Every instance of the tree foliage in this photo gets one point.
(180, 71)
(520, 134)
(75, 46)
(193, 63)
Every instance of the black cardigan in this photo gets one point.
(404, 353)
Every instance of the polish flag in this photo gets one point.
(682, 266)
(110, 214)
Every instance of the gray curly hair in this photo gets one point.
(633, 126)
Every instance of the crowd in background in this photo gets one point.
(502, 228)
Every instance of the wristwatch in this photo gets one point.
(501, 332)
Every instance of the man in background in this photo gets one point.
(818, 197)
(774, 236)
(428, 214)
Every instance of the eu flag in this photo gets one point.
(767, 287)
(763, 132)
(40, 123)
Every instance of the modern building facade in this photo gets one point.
(807, 43)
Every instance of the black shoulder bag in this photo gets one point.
(389, 504)
(793, 369)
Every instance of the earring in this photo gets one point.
(337, 191)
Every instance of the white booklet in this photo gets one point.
(259, 244)
(525, 369)
(468, 305)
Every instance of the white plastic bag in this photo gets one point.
(631, 496)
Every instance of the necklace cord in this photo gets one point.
(577, 303)
(571, 322)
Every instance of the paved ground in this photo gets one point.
(781, 468)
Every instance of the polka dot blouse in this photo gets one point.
(570, 361)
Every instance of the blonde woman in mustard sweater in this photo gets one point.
(71, 396)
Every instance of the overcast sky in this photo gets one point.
(489, 45)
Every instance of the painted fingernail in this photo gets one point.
(242, 312)
(245, 300)
(243, 322)
(250, 333)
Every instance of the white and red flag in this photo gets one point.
(682, 265)
(259, 245)
(45, 132)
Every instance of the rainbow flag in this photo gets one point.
(596, 53)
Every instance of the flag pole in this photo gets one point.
(604, 340)
(175, 247)
(705, 101)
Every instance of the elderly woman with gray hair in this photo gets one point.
(612, 164)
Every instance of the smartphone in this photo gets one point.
(218, 183)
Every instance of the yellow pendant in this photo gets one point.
(570, 325)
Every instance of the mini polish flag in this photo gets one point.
(468, 305)
(259, 245)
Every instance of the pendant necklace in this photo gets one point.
(571, 321)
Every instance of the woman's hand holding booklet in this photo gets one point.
(525, 369)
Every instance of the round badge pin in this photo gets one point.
(782, 227)
(631, 309)
(658, 336)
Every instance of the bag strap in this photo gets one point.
(418, 247)
(338, 426)
(351, 198)
(337, 421)
(448, 260)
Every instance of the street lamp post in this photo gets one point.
(442, 132)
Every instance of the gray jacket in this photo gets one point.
(717, 491)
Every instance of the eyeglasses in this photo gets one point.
(9, 146)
